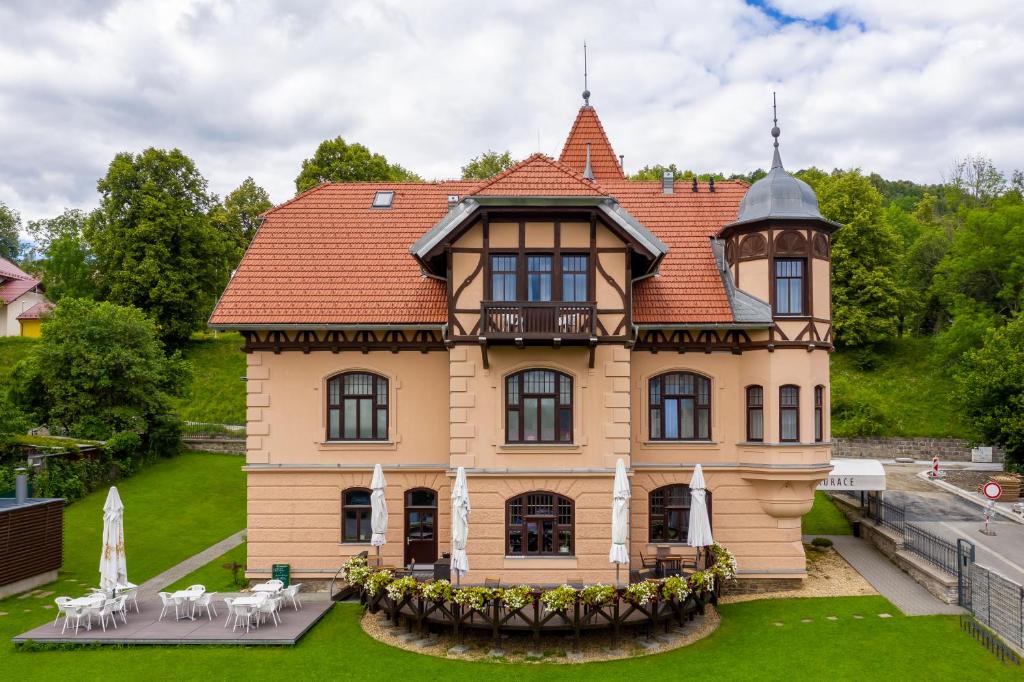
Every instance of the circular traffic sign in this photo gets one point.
(992, 490)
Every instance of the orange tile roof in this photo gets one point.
(328, 257)
(588, 128)
(539, 175)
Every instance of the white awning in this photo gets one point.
(855, 474)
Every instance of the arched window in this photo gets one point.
(538, 407)
(357, 407)
(669, 518)
(819, 413)
(789, 413)
(539, 523)
(680, 407)
(355, 515)
(755, 413)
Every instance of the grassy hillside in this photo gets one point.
(897, 391)
(217, 393)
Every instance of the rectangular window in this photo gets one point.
(789, 414)
(819, 414)
(789, 286)
(538, 278)
(503, 278)
(755, 413)
(574, 278)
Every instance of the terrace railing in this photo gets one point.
(538, 320)
(935, 550)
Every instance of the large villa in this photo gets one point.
(534, 328)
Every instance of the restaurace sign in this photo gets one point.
(854, 474)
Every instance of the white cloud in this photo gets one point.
(250, 88)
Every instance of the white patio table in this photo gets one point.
(88, 601)
(189, 597)
(264, 587)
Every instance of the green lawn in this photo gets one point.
(213, 576)
(824, 518)
(748, 646)
(174, 508)
(217, 392)
(903, 392)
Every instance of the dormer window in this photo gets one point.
(383, 199)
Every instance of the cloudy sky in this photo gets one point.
(250, 88)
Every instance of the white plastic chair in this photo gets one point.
(269, 607)
(131, 596)
(228, 601)
(200, 588)
(206, 602)
(75, 613)
(276, 584)
(243, 614)
(60, 602)
(292, 592)
(104, 611)
(167, 601)
(119, 608)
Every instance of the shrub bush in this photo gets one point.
(821, 543)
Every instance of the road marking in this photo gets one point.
(988, 549)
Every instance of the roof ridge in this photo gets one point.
(554, 163)
(603, 138)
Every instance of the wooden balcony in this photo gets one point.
(537, 320)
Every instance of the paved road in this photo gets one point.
(952, 517)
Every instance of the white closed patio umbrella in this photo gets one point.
(460, 524)
(699, 534)
(378, 510)
(113, 565)
(619, 553)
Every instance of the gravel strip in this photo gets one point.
(828, 575)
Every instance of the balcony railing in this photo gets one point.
(537, 320)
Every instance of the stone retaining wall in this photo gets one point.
(231, 446)
(948, 449)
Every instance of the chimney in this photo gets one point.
(711, 183)
(622, 163)
(20, 486)
(668, 182)
(588, 171)
(453, 200)
(694, 188)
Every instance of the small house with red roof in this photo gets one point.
(534, 329)
(22, 303)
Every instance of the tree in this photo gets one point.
(657, 172)
(974, 181)
(10, 239)
(154, 245)
(487, 165)
(99, 369)
(865, 290)
(239, 216)
(67, 265)
(338, 161)
(990, 386)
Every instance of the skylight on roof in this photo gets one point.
(383, 199)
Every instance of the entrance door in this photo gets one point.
(420, 526)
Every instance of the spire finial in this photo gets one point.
(776, 159)
(586, 90)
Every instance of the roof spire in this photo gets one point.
(586, 90)
(588, 172)
(776, 159)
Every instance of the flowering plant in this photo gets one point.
(438, 591)
(559, 598)
(358, 575)
(377, 581)
(517, 597)
(675, 587)
(642, 593)
(473, 597)
(725, 562)
(703, 580)
(401, 587)
(353, 562)
(598, 594)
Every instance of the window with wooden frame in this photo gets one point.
(755, 413)
(538, 277)
(680, 406)
(669, 513)
(357, 407)
(539, 524)
(789, 286)
(504, 277)
(819, 413)
(538, 407)
(574, 278)
(355, 515)
(789, 413)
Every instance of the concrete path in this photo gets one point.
(888, 579)
(149, 588)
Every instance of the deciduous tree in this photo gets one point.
(487, 165)
(10, 239)
(339, 161)
(239, 216)
(67, 265)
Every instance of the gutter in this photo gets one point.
(443, 328)
(707, 325)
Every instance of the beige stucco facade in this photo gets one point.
(447, 410)
(9, 324)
